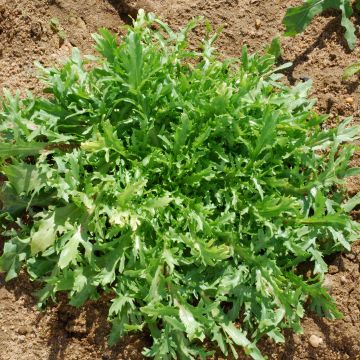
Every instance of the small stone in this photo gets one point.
(333, 269)
(349, 100)
(257, 23)
(315, 341)
(343, 280)
(21, 338)
(328, 284)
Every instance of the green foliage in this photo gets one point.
(298, 18)
(57, 28)
(351, 70)
(275, 48)
(187, 187)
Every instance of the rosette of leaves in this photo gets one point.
(186, 187)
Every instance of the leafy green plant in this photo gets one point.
(57, 28)
(298, 18)
(187, 188)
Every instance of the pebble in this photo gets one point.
(257, 23)
(343, 280)
(315, 341)
(328, 284)
(349, 100)
(21, 339)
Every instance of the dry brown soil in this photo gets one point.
(63, 333)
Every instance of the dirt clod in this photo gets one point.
(328, 283)
(23, 330)
(349, 100)
(350, 256)
(315, 341)
(36, 30)
(333, 269)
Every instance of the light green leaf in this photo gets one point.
(21, 150)
(351, 70)
(239, 338)
(327, 220)
(25, 178)
(70, 250)
(351, 203)
(45, 235)
(193, 328)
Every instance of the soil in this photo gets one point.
(28, 33)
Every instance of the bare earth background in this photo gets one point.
(64, 333)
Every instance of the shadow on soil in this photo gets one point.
(333, 27)
(126, 11)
